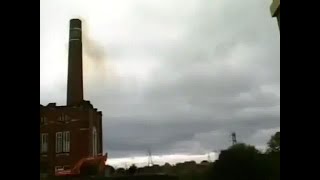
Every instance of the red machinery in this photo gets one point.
(86, 166)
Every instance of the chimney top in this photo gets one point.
(75, 23)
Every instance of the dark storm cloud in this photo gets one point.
(217, 72)
(211, 82)
(164, 138)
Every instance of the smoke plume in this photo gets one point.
(97, 70)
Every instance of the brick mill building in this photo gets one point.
(74, 131)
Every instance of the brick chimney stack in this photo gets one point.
(75, 76)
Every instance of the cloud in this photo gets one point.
(174, 76)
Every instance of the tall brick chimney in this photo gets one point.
(75, 76)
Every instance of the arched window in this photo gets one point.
(94, 142)
(44, 142)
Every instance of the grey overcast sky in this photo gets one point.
(175, 76)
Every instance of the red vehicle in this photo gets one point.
(91, 166)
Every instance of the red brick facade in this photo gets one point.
(80, 121)
(72, 132)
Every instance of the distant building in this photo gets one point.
(275, 10)
(74, 131)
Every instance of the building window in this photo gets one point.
(66, 141)
(43, 120)
(58, 142)
(63, 118)
(94, 142)
(62, 168)
(59, 168)
(44, 143)
(63, 142)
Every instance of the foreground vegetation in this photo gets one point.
(238, 162)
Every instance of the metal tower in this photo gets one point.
(234, 138)
(150, 161)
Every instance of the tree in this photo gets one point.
(167, 165)
(132, 169)
(120, 171)
(274, 143)
(239, 162)
(204, 162)
(273, 154)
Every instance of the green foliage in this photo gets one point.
(120, 172)
(274, 143)
(245, 162)
(240, 162)
(132, 170)
(273, 154)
